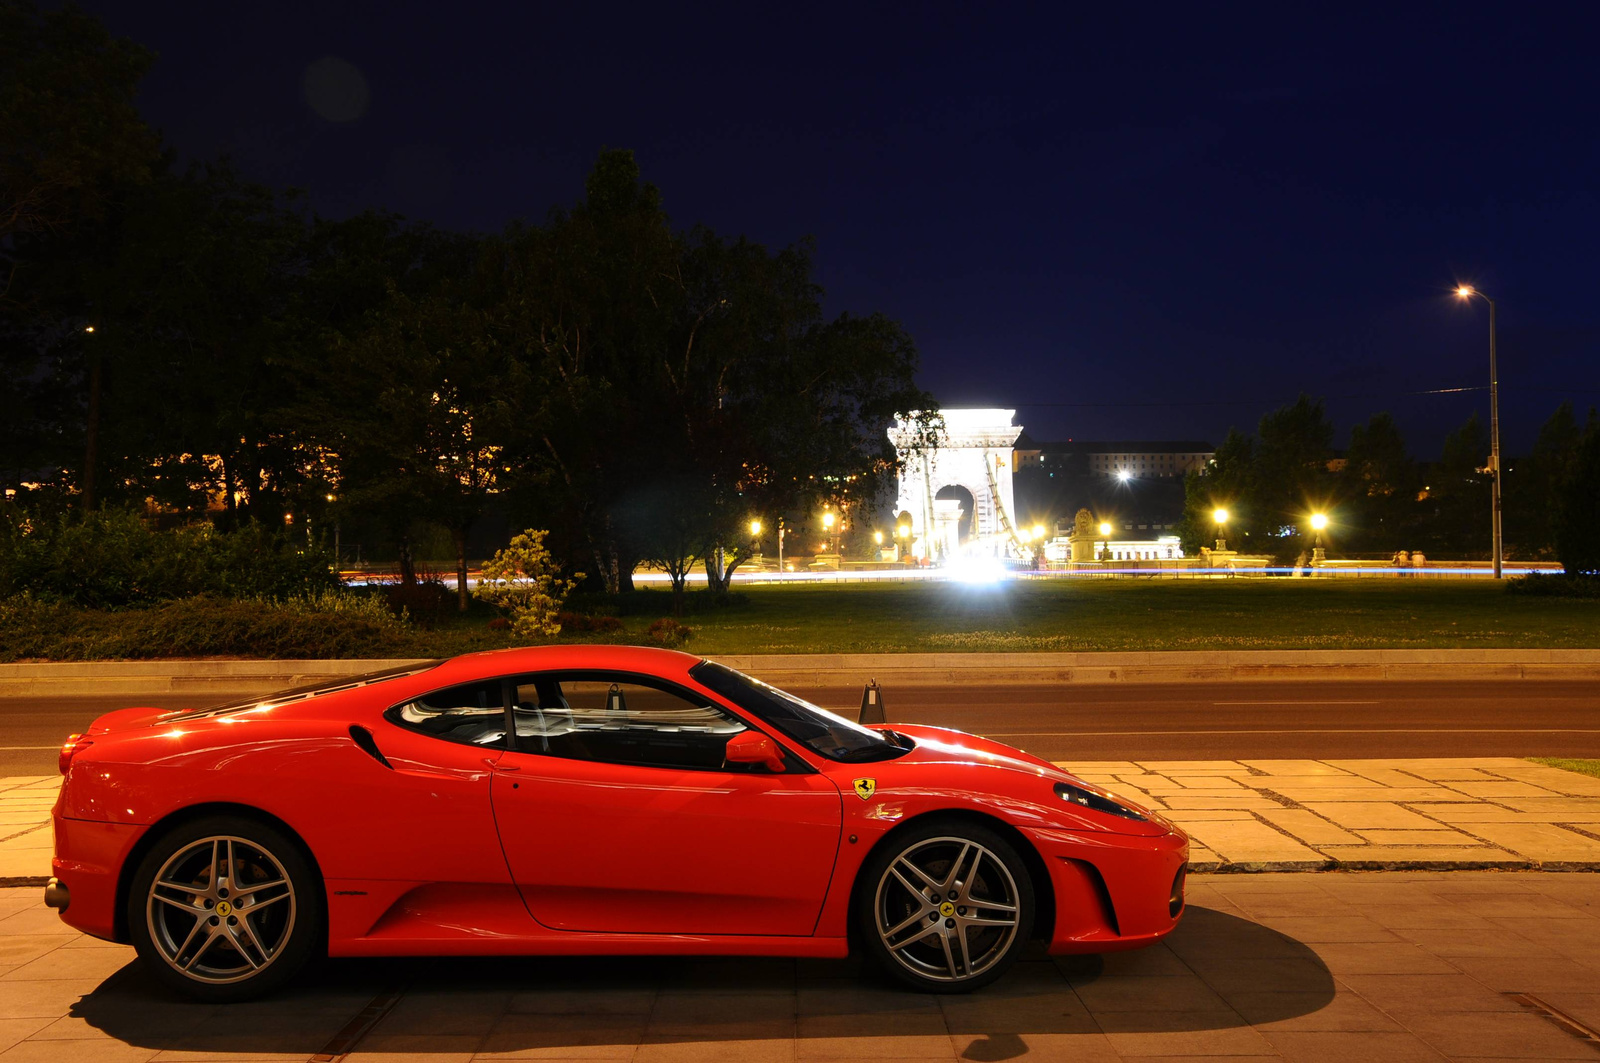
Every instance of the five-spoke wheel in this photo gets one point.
(224, 908)
(946, 907)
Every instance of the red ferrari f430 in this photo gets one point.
(586, 800)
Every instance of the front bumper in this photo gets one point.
(1113, 891)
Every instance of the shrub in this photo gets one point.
(426, 601)
(324, 626)
(583, 622)
(112, 559)
(526, 580)
(1539, 585)
(668, 632)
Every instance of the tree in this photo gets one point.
(1379, 485)
(69, 130)
(1577, 530)
(1457, 489)
(1534, 485)
(526, 580)
(1227, 483)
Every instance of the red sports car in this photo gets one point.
(585, 800)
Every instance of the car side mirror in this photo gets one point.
(753, 747)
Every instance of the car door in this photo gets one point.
(617, 814)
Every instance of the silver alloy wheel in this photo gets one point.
(221, 909)
(947, 909)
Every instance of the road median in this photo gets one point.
(227, 678)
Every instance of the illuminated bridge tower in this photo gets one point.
(973, 453)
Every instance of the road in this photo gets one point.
(1195, 721)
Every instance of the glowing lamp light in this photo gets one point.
(1124, 475)
(827, 520)
(755, 527)
(88, 328)
(1038, 531)
(1105, 529)
(877, 537)
(1319, 521)
(1220, 516)
(1465, 291)
(904, 531)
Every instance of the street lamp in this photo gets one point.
(1220, 517)
(1466, 291)
(755, 529)
(1038, 531)
(1319, 521)
(828, 520)
(1105, 534)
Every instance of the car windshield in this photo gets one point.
(831, 736)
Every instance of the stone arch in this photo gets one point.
(973, 452)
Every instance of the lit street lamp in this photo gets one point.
(1220, 517)
(1319, 521)
(1105, 533)
(903, 533)
(828, 521)
(1466, 291)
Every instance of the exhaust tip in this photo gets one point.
(56, 895)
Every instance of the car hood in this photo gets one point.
(1004, 773)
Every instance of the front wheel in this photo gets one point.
(946, 907)
(224, 908)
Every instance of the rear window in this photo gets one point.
(281, 697)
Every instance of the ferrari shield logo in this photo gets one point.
(865, 788)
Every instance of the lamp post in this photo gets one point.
(1220, 517)
(1466, 291)
(1319, 521)
(755, 537)
(1105, 533)
(903, 533)
(828, 520)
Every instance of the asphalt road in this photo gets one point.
(1196, 721)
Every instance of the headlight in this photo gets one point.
(1078, 795)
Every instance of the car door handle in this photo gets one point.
(495, 765)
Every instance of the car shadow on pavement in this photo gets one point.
(1215, 973)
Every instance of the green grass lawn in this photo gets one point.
(1034, 615)
(1582, 767)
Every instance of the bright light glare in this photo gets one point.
(877, 537)
(1124, 475)
(1038, 531)
(977, 570)
(904, 531)
(827, 520)
(1465, 291)
(755, 527)
(1319, 521)
(1105, 529)
(1220, 516)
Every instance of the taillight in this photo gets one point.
(69, 749)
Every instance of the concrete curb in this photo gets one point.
(242, 677)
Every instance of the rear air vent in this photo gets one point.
(1175, 901)
(363, 738)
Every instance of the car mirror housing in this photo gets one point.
(753, 747)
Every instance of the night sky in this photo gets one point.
(1158, 221)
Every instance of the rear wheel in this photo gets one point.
(946, 907)
(224, 908)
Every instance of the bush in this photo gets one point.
(1539, 585)
(325, 626)
(114, 559)
(582, 622)
(525, 579)
(427, 601)
(668, 632)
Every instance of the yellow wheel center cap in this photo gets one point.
(947, 909)
(224, 908)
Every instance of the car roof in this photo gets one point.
(487, 663)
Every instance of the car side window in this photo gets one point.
(621, 719)
(473, 714)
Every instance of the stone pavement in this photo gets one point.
(1308, 815)
(1394, 966)
(1253, 815)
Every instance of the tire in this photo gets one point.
(225, 908)
(967, 937)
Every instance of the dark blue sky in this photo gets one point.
(1179, 215)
